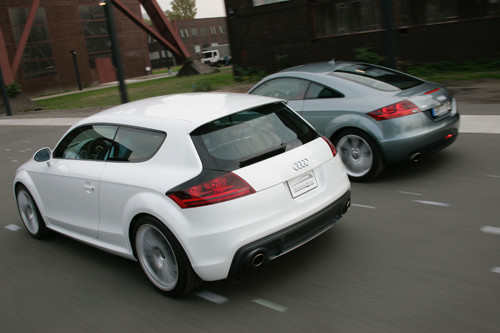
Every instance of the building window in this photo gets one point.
(184, 33)
(221, 29)
(203, 31)
(345, 17)
(194, 32)
(95, 31)
(213, 30)
(38, 59)
(426, 11)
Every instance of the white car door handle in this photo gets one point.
(89, 187)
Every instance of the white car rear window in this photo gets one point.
(250, 136)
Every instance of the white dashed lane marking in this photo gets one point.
(12, 227)
(496, 270)
(433, 203)
(363, 206)
(410, 193)
(270, 305)
(490, 230)
(211, 297)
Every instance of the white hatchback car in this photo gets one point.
(193, 186)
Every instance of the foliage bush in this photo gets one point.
(14, 89)
(368, 54)
(248, 74)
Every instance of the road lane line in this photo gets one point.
(12, 227)
(496, 270)
(490, 230)
(410, 193)
(211, 297)
(433, 203)
(271, 305)
(363, 206)
(493, 176)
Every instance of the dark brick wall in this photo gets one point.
(259, 34)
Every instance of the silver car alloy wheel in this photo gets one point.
(356, 154)
(157, 257)
(27, 210)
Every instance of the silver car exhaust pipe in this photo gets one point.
(257, 257)
(415, 157)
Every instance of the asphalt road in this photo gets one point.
(419, 251)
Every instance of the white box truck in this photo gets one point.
(217, 55)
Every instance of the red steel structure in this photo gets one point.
(165, 34)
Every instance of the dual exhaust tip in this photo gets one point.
(256, 258)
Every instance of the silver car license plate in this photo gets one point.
(302, 184)
(442, 109)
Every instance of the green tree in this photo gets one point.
(182, 9)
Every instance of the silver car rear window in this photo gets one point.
(377, 77)
(251, 136)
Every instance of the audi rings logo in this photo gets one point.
(300, 164)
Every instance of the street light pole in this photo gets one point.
(115, 48)
(5, 95)
(77, 71)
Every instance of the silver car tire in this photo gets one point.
(162, 258)
(30, 215)
(360, 155)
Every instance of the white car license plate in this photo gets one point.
(442, 109)
(302, 184)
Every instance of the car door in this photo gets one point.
(69, 183)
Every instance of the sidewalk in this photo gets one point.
(105, 85)
(487, 123)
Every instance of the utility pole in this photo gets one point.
(115, 48)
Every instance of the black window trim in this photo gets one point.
(118, 125)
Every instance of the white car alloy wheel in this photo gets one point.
(30, 215)
(157, 257)
(28, 211)
(163, 259)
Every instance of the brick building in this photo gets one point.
(197, 35)
(200, 34)
(63, 26)
(273, 34)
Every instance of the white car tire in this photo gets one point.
(30, 215)
(162, 258)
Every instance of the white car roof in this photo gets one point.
(189, 110)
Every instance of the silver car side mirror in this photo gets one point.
(43, 155)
